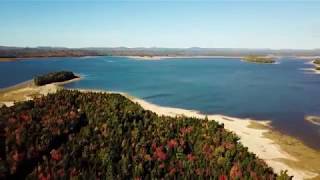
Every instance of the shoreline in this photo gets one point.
(43, 57)
(312, 70)
(313, 120)
(28, 90)
(147, 57)
(173, 57)
(258, 136)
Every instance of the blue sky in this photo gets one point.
(215, 24)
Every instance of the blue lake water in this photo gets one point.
(282, 93)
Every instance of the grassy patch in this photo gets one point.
(17, 92)
(256, 125)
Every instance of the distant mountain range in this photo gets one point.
(26, 52)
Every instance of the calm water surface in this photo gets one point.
(282, 93)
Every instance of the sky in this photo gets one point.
(172, 24)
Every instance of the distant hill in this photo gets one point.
(26, 52)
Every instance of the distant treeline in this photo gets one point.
(43, 52)
(17, 52)
(74, 135)
(54, 77)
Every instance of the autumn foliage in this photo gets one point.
(106, 136)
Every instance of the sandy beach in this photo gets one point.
(226, 57)
(28, 90)
(251, 137)
(307, 57)
(179, 57)
(275, 148)
(313, 119)
(311, 70)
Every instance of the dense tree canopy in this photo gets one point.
(259, 59)
(54, 77)
(106, 136)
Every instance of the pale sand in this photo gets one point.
(311, 70)
(230, 57)
(313, 119)
(252, 138)
(27, 91)
(146, 57)
(307, 57)
(179, 57)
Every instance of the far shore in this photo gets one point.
(278, 150)
(147, 57)
(173, 57)
(39, 58)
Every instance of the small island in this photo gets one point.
(259, 59)
(54, 77)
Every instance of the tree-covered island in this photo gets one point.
(54, 77)
(259, 59)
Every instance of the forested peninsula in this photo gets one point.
(72, 134)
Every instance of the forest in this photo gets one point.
(87, 135)
(42, 52)
(54, 77)
(259, 59)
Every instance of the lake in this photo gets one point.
(282, 93)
